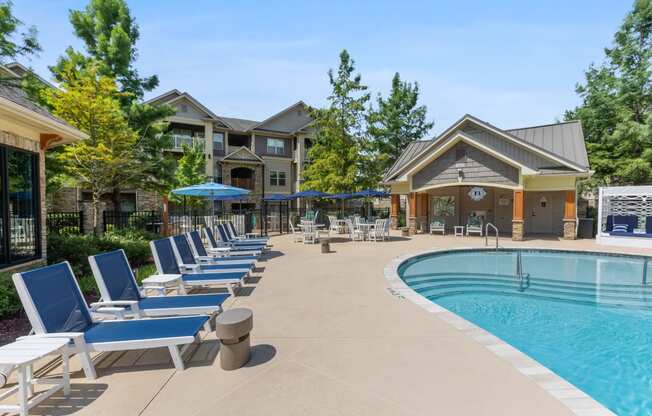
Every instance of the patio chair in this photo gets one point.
(309, 231)
(118, 286)
(55, 307)
(297, 235)
(249, 237)
(474, 225)
(438, 226)
(388, 223)
(187, 261)
(334, 225)
(166, 264)
(355, 234)
(234, 251)
(223, 257)
(377, 233)
(237, 244)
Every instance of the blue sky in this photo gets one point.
(513, 63)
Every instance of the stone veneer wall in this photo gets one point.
(23, 143)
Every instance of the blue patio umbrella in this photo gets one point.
(310, 194)
(212, 191)
(340, 196)
(276, 197)
(370, 193)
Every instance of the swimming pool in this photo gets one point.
(585, 316)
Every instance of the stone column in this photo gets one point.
(570, 216)
(412, 212)
(518, 219)
(395, 210)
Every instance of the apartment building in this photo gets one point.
(266, 157)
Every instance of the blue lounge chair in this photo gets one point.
(237, 244)
(55, 307)
(233, 235)
(188, 261)
(234, 251)
(166, 264)
(223, 257)
(119, 289)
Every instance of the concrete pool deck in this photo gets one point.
(329, 338)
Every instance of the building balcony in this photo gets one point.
(180, 140)
(245, 183)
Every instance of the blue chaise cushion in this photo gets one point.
(117, 275)
(630, 220)
(144, 329)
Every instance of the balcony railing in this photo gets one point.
(179, 140)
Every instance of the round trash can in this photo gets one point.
(232, 328)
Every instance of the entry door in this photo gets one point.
(504, 211)
(538, 212)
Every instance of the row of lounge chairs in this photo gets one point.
(55, 305)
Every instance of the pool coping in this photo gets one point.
(573, 398)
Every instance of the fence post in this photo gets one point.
(81, 222)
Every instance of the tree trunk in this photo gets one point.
(166, 216)
(96, 215)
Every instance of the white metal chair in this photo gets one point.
(438, 226)
(355, 233)
(377, 233)
(297, 235)
(309, 230)
(474, 226)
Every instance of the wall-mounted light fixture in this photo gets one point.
(460, 175)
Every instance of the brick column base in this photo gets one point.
(412, 225)
(518, 230)
(569, 229)
(394, 222)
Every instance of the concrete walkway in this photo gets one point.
(329, 339)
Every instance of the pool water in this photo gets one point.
(587, 317)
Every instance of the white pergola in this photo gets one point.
(625, 200)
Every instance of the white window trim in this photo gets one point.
(274, 150)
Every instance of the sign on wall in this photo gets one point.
(477, 193)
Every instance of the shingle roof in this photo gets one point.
(18, 96)
(240, 124)
(408, 154)
(562, 139)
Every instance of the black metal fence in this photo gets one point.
(139, 220)
(70, 222)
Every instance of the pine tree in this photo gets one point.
(616, 103)
(396, 122)
(337, 154)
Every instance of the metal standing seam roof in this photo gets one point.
(565, 140)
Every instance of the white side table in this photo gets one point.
(163, 281)
(458, 230)
(22, 354)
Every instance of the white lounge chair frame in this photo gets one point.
(81, 347)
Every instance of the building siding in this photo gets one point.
(509, 149)
(476, 165)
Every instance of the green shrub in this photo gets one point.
(9, 301)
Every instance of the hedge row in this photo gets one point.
(76, 249)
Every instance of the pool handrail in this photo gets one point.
(486, 234)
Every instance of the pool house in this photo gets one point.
(521, 180)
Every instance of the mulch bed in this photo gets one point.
(13, 327)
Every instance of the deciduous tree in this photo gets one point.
(14, 44)
(90, 102)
